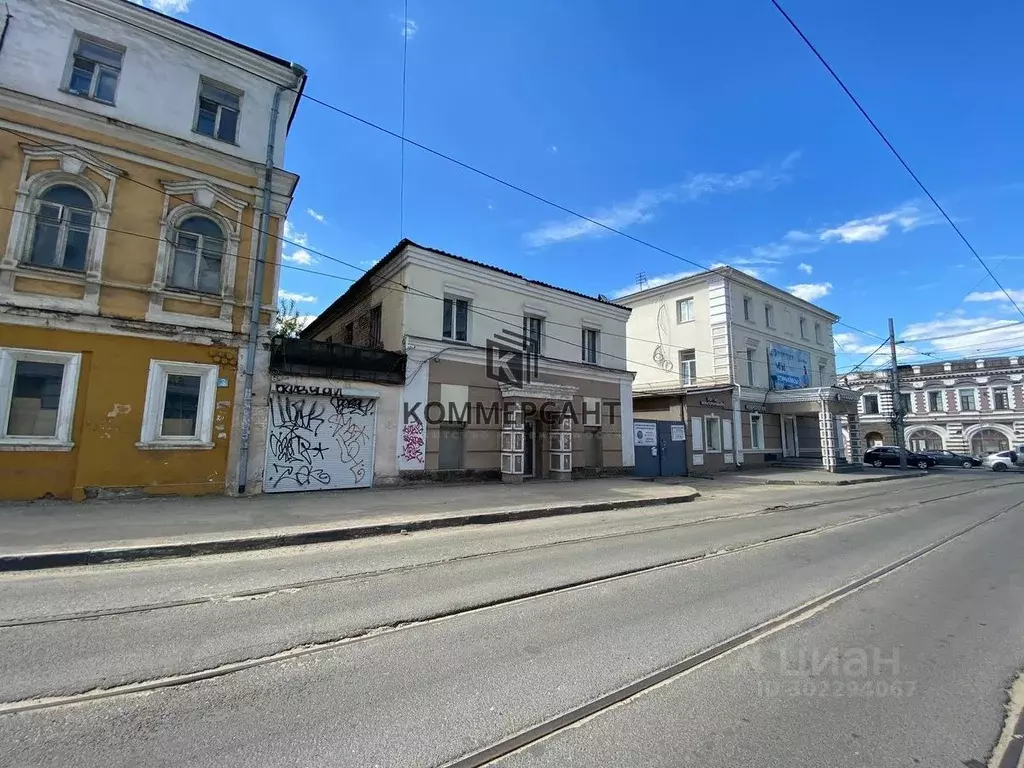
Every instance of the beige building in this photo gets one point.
(747, 366)
(503, 376)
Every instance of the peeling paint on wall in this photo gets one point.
(120, 409)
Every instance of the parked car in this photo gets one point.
(950, 459)
(889, 455)
(1002, 461)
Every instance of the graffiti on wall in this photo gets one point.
(664, 337)
(315, 442)
(412, 443)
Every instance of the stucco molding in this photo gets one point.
(73, 169)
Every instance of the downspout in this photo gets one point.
(256, 297)
(737, 426)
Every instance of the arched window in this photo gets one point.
(988, 441)
(925, 440)
(198, 253)
(63, 221)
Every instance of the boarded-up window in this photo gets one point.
(450, 447)
(697, 433)
(592, 448)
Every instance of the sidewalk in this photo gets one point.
(57, 534)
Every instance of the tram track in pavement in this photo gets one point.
(36, 703)
(289, 587)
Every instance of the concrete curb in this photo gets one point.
(30, 561)
(824, 483)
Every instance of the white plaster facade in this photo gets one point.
(159, 83)
(954, 387)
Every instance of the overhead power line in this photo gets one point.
(895, 153)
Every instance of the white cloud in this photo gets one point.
(296, 237)
(301, 257)
(965, 335)
(165, 6)
(810, 291)
(642, 207)
(316, 215)
(410, 28)
(853, 343)
(1018, 296)
(805, 268)
(798, 236)
(304, 320)
(553, 149)
(296, 297)
(874, 228)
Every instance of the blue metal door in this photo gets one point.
(672, 448)
(659, 448)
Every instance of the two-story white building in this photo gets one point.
(750, 369)
(504, 376)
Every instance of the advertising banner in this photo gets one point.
(788, 368)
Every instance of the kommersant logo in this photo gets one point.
(480, 413)
(512, 358)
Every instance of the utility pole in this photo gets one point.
(897, 401)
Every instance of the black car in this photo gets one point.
(950, 459)
(889, 456)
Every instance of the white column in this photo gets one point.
(513, 439)
(827, 431)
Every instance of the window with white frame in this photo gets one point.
(756, 430)
(684, 310)
(713, 428)
(968, 402)
(870, 403)
(688, 366)
(803, 327)
(589, 342)
(936, 401)
(769, 315)
(1000, 398)
(63, 224)
(455, 325)
(180, 403)
(906, 402)
(217, 111)
(748, 309)
(750, 367)
(822, 374)
(37, 397)
(198, 255)
(94, 69)
(818, 338)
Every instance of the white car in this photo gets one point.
(1000, 462)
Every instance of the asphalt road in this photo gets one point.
(563, 642)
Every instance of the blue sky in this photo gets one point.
(705, 128)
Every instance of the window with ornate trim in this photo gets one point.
(37, 398)
(180, 403)
(61, 228)
(198, 256)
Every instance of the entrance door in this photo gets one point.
(529, 448)
(317, 442)
(659, 448)
(790, 447)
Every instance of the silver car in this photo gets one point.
(1002, 461)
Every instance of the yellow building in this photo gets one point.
(135, 153)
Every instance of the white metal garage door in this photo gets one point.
(318, 442)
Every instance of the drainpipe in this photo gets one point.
(737, 426)
(256, 297)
